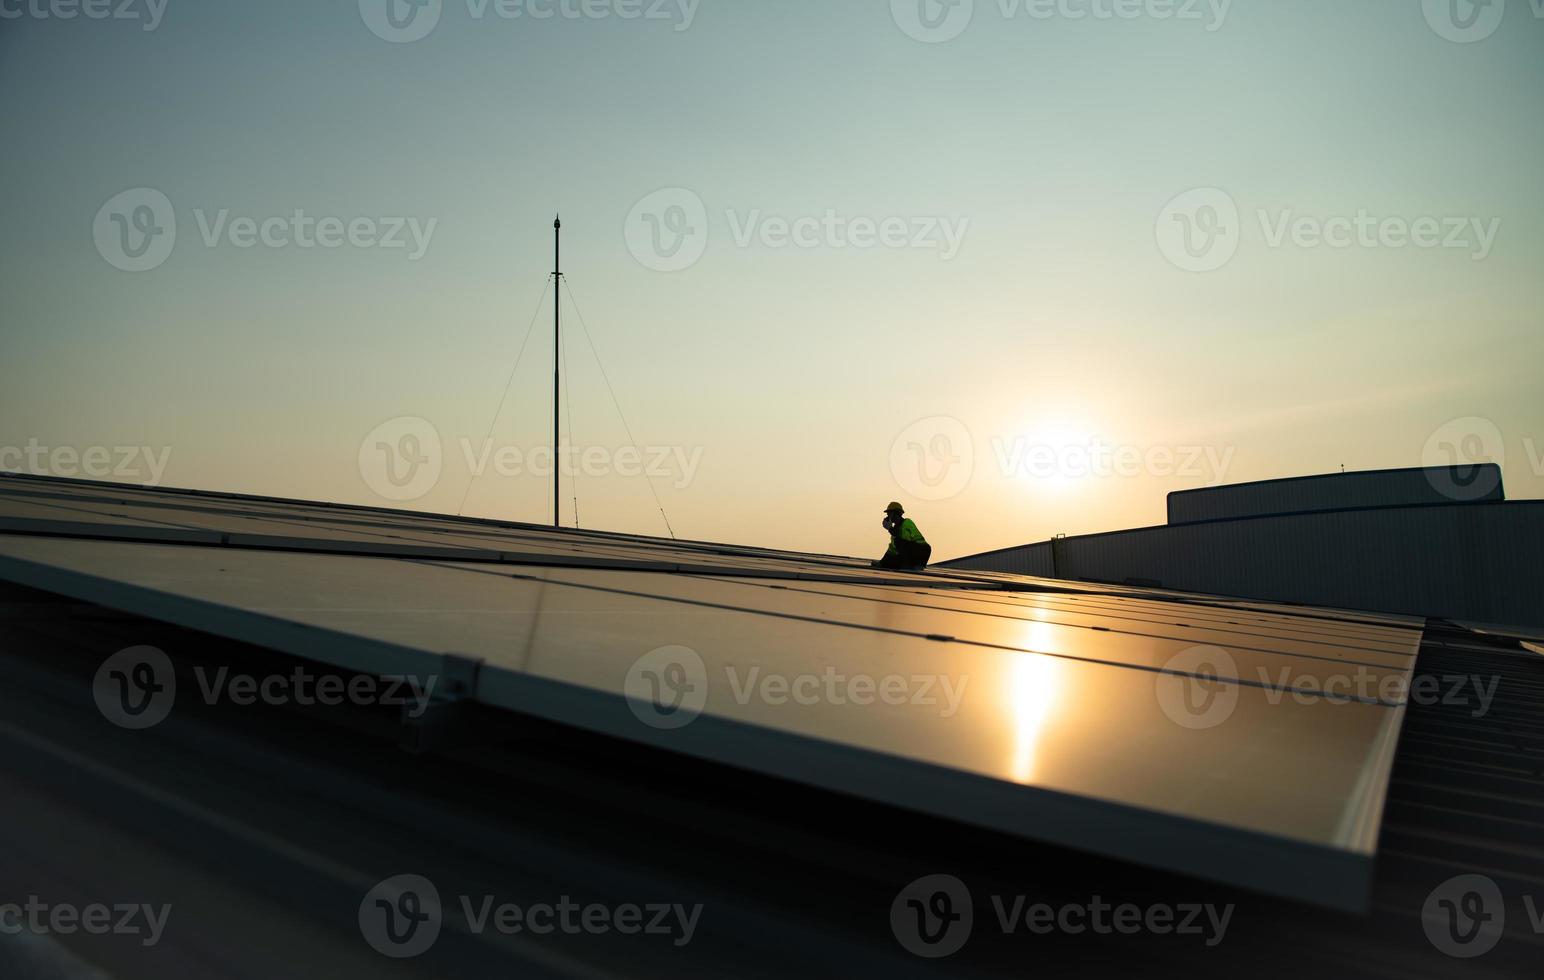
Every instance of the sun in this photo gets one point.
(1051, 455)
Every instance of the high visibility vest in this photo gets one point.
(908, 533)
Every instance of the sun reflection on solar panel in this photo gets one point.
(1033, 685)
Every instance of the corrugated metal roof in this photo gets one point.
(1339, 491)
(1461, 562)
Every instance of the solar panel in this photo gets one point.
(1276, 633)
(140, 514)
(1309, 668)
(1182, 735)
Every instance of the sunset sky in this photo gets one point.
(1023, 270)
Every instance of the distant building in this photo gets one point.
(1432, 541)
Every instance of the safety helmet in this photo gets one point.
(895, 508)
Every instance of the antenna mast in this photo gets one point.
(557, 304)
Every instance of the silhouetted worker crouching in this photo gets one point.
(908, 548)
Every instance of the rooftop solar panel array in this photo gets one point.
(1246, 742)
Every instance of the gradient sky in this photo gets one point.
(802, 375)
